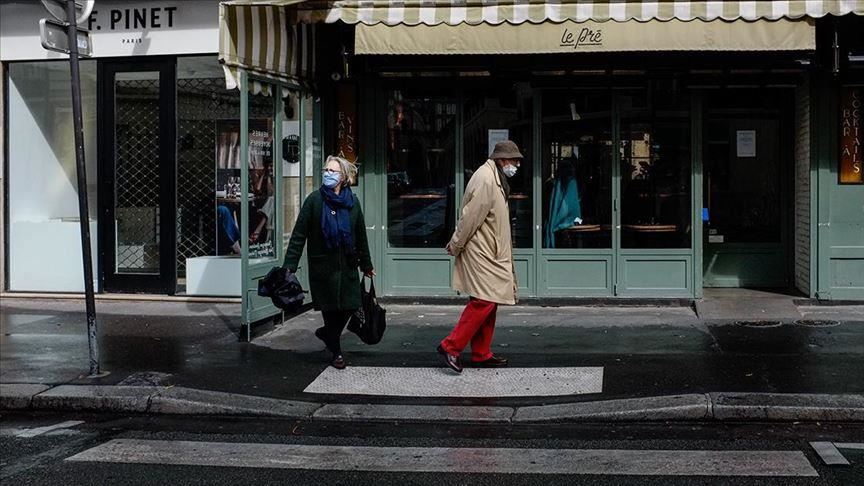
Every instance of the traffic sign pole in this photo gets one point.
(83, 209)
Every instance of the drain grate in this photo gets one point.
(817, 323)
(759, 324)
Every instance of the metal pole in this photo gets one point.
(83, 209)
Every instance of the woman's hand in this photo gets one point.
(369, 273)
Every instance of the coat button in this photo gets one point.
(333, 212)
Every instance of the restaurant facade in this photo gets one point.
(671, 146)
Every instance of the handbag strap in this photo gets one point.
(371, 285)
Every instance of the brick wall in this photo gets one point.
(802, 189)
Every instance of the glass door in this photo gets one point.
(745, 190)
(138, 169)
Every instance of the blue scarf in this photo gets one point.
(337, 227)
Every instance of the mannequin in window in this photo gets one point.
(565, 208)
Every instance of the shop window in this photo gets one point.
(421, 153)
(493, 114)
(743, 161)
(577, 169)
(43, 214)
(655, 169)
(261, 175)
(205, 110)
(294, 150)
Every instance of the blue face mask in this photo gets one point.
(332, 179)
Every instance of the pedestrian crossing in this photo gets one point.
(523, 461)
(471, 383)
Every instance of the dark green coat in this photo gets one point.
(333, 280)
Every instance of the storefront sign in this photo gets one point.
(851, 156)
(588, 36)
(119, 28)
(346, 126)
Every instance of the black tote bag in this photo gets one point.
(369, 321)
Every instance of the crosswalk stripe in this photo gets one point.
(452, 460)
(472, 383)
(849, 445)
(30, 433)
(829, 454)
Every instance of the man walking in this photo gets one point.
(484, 259)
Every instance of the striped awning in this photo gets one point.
(265, 39)
(274, 39)
(474, 12)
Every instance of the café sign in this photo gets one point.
(851, 156)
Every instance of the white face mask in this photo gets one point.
(509, 170)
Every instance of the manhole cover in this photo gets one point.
(759, 324)
(817, 323)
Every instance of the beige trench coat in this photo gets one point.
(481, 242)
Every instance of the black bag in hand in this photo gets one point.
(283, 288)
(369, 321)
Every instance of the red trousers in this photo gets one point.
(477, 325)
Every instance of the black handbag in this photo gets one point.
(369, 321)
(283, 288)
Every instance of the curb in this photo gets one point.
(721, 407)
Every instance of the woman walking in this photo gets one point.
(331, 226)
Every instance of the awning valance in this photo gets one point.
(571, 37)
(475, 12)
(265, 39)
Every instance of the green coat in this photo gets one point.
(333, 280)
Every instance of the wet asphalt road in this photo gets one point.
(41, 459)
(645, 352)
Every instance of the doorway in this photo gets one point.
(137, 176)
(748, 171)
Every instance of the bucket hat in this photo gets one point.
(506, 149)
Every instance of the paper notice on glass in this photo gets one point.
(497, 135)
(745, 143)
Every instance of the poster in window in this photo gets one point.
(260, 191)
(745, 143)
(851, 162)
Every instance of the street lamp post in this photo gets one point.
(83, 206)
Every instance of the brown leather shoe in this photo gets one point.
(338, 362)
(493, 362)
(450, 361)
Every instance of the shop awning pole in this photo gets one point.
(83, 209)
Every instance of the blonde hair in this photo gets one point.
(346, 167)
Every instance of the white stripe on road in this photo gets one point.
(452, 460)
(473, 382)
(829, 454)
(41, 430)
(849, 445)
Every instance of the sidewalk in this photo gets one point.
(665, 363)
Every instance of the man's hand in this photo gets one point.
(450, 250)
(371, 273)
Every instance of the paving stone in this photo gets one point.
(189, 401)
(16, 396)
(97, 398)
(676, 407)
(413, 413)
(788, 407)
